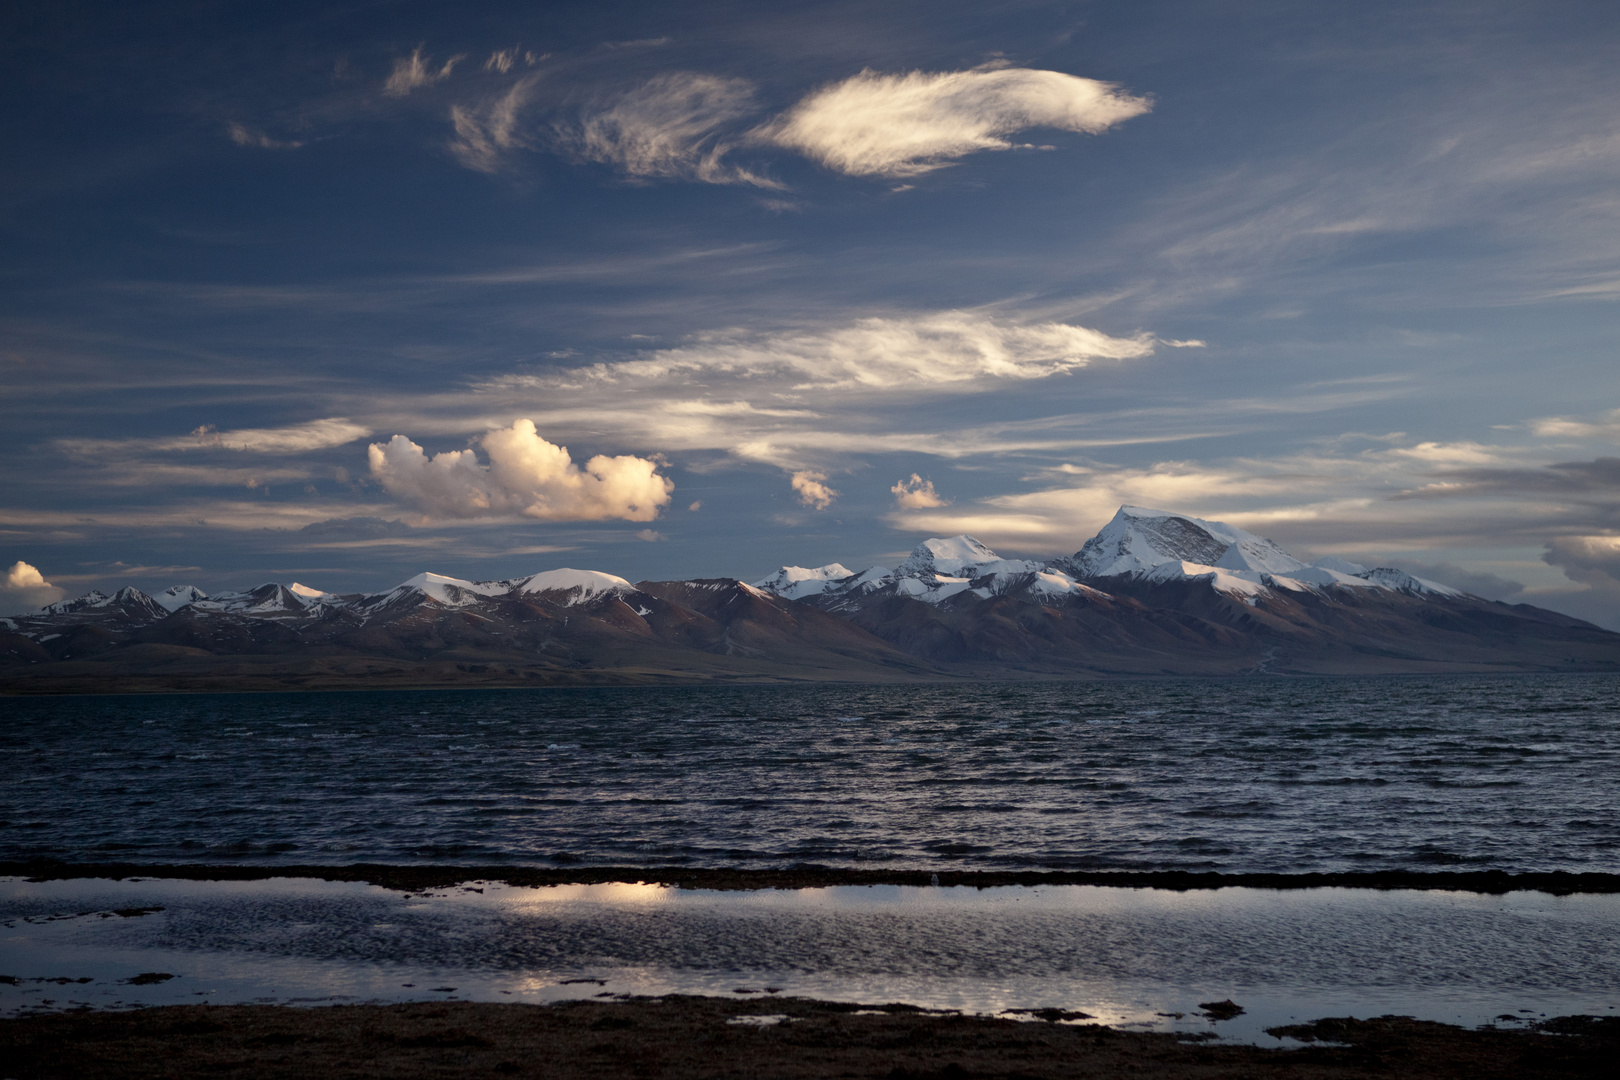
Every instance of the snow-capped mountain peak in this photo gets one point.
(450, 591)
(959, 557)
(581, 585)
(176, 597)
(797, 582)
(1139, 539)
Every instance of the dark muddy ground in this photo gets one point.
(681, 1037)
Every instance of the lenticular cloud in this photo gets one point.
(903, 125)
(526, 475)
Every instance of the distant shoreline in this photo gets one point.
(50, 685)
(417, 878)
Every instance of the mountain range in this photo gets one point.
(1154, 593)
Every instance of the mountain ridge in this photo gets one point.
(1153, 593)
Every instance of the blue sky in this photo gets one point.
(321, 292)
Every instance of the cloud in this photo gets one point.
(417, 70)
(1370, 505)
(1591, 560)
(502, 61)
(811, 488)
(242, 135)
(668, 128)
(294, 439)
(356, 528)
(526, 474)
(916, 494)
(652, 536)
(485, 135)
(947, 351)
(903, 125)
(1563, 427)
(1598, 480)
(24, 589)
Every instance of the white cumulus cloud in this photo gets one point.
(811, 488)
(916, 494)
(526, 475)
(24, 589)
(874, 124)
(669, 128)
(943, 351)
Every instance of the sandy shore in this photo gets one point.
(416, 878)
(680, 1037)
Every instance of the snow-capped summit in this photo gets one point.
(1139, 539)
(959, 557)
(576, 587)
(176, 597)
(579, 585)
(797, 582)
(936, 570)
(452, 592)
(1158, 546)
(310, 595)
(128, 600)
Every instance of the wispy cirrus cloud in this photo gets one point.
(941, 352)
(485, 135)
(873, 124)
(293, 439)
(414, 71)
(686, 125)
(242, 135)
(672, 127)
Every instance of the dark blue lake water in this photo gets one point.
(1515, 773)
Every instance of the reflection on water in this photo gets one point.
(1122, 955)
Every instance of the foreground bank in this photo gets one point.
(679, 1037)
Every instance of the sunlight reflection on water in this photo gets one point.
(1122, 955)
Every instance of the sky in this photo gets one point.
(341, 292)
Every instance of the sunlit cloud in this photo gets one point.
(941, 352)
(24, 588)
(873, 124)
(526, 475)
(916, 493)
(811, 489)
(1606, 427)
